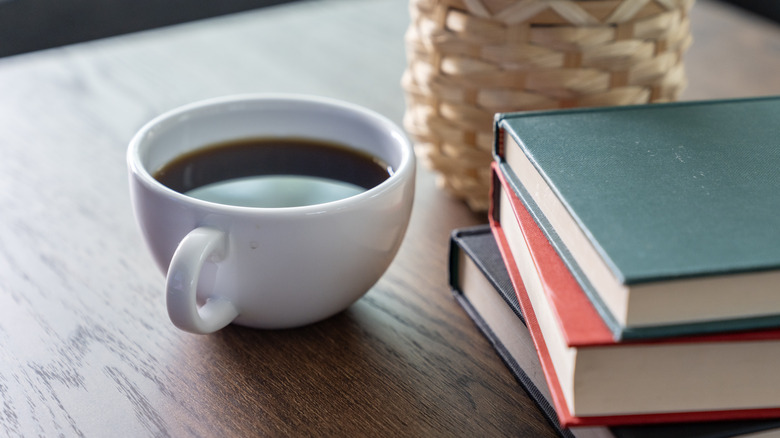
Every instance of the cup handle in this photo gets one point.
(199, 245)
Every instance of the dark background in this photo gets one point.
(768, 8)
(29, 25)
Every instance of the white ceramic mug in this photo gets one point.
(268, 267)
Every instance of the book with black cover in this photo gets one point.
(481, 285)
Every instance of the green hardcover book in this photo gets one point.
(667, 214)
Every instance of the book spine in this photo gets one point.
(457, 245)
(498, 137)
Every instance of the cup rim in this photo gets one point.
(402, 172)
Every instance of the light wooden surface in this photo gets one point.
(86, 348)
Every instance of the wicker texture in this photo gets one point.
(469, 59)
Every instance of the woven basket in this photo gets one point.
(469, 59)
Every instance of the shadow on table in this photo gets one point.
(270, 374)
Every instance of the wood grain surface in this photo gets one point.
(86, 348)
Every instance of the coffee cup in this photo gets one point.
(270, 259)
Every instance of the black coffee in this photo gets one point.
(268, 172)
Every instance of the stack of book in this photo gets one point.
(640, 246)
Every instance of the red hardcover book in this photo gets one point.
(595, 380)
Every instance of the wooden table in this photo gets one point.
(86, 348)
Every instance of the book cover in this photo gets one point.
(595, 380)
(669, 211)
(480, 283)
